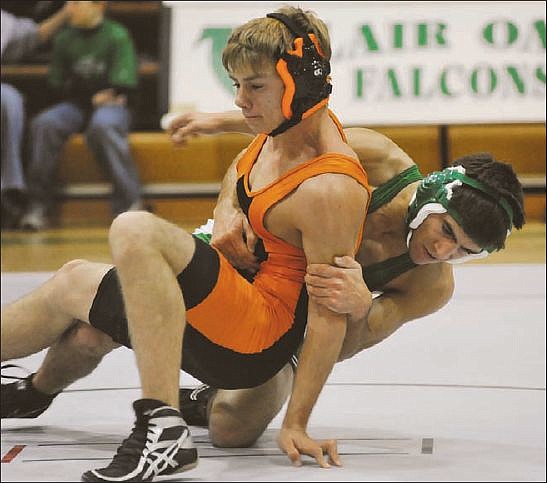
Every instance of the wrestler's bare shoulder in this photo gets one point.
(381, 157)
(329, 188)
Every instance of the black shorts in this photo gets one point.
(205, 360)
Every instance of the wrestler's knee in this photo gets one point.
(90, 341)
(130, 233)
(65, 281)
(231, 429)
(239, 418)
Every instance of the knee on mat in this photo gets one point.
(229, 431)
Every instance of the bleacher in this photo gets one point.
(180, 183)
(183, 182)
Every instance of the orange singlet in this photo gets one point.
(250, 317)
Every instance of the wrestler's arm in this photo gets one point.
(426, 291)
(340, 202)
(227, 200)
(381, 157)
(232, 233)
(341, 288)
(192, 124)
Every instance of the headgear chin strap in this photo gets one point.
(305, 74)
(433, 195)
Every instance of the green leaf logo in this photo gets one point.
(219, 37)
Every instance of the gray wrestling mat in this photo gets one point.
(456, 396)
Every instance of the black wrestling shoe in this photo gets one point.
(20, 399)
(160, 444)
(194, 403)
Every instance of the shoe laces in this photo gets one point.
(133, 445)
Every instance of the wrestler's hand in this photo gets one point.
(339, 288)
(295, 442)
(234, 238)
(192, 124)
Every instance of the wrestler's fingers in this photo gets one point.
(250, 266)
(293, 454)
(250, 239)
(242, 257)
(190, 129)
(346, 262)
(317, 454)
(333, 283)
(318, 280)
(182, 135)
(318, 291)
(172, 121)
(314, 281)
(330, 447)
(178, 141)
(321, 270)
(241, 250)
(227, 251)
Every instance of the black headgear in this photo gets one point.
(305, 74)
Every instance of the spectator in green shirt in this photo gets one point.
(92, 73)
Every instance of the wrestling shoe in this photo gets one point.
(20, 399)
(194, 404)
(160, 444)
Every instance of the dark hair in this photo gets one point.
(483, 219)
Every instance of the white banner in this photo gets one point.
(392, 63)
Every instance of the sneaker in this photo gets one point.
(160, 444)
(20, 399)
(194, 404)
(35, 219)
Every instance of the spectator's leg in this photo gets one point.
(107, 137)
(12, 179)
(13, 118)
(49, 131)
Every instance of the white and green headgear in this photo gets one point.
(434, 193)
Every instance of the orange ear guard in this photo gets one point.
(305, 74)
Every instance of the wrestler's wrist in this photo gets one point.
(295, 422)
(360, 313)
(294, 426)
(363, 307)
(218, 123)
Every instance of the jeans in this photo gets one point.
(106, 134)
(13, 119)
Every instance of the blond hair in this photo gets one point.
(262, 41)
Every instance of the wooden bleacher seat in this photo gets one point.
(172, 175)
(178, 182)
(521, 145)
(421, 143)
